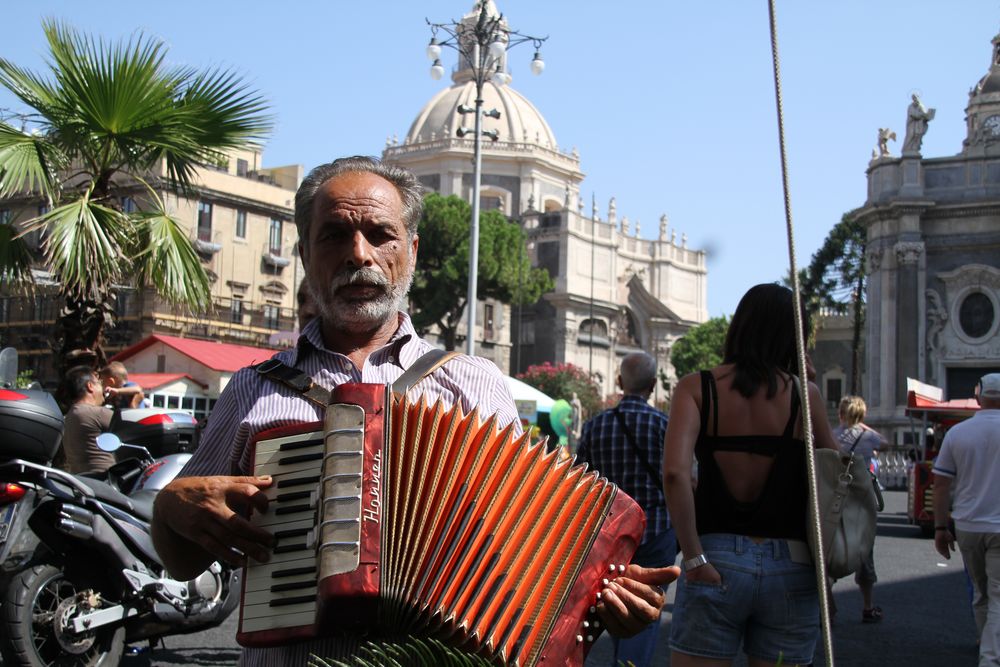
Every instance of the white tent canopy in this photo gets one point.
(525, 392)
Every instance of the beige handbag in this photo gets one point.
(847, 507)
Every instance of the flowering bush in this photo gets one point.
(561, 380)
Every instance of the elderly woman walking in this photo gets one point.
(854, 436)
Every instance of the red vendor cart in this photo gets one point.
(928, 411)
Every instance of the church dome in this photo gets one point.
(991, 82)
(519, 122)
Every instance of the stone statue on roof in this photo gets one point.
(884, 136)
(917, 118)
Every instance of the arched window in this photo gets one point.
(593, 332)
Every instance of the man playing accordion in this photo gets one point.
(357, 224)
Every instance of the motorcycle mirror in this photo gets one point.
(108, 442)
(8, 367)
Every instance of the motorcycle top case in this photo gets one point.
(31, 425)
(162, 433)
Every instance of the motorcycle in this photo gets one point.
(79, 577)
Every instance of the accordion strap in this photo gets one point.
(301, 383)
(295, 380)
(421, 368)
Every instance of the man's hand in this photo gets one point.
(633, 600)
(207, 511)
(944, 542)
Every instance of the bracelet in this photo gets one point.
(696, 562)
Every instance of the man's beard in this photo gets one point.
(360, 315)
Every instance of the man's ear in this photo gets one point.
(413, 247)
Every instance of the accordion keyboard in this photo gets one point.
(282, 592)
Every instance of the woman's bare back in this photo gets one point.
(746, 473)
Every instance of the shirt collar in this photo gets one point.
(399, 349)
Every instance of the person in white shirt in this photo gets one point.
(969, 466)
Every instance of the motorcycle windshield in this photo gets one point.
(8, 367)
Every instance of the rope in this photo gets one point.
(800, 346)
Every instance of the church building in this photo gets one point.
(934, 261)
(615, 291)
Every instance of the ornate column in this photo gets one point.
(909, 316)
(877, 339)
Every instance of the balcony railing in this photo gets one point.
(272, 255)
(206, 247)
(27, 322)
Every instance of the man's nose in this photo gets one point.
(361, 250)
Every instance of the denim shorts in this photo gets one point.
(765, 600)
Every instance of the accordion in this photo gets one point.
(393, 517)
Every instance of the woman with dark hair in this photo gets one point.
(748, 576)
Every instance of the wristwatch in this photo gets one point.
(696, 562)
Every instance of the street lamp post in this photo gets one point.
(482, 43)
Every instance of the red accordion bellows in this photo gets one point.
(427, 522)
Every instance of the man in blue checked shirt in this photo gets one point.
(625, 444)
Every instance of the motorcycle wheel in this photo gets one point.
(29, 610)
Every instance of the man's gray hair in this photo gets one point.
(411, 192)
(638, 373)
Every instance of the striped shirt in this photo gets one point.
(604, 445)
(251, 403)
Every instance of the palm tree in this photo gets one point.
(110, 118)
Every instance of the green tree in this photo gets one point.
(440, 281)
(836, 280)
(561, 381)
(105, 117)
(702, 347)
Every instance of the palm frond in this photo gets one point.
(216, 111)
(85, 244)
(112, 95)
(28, 163)
(28, 87)
(166, 260)
(408, 652)
(15, 257)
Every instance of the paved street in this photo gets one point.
(927, 618)
(928, 622)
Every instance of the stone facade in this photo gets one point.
(832, 357)
(934, 260)
(614, 291)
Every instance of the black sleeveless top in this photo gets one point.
(781, 508)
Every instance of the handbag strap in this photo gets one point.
(630, 437)
(856, 441)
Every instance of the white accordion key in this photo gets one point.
(282, 592)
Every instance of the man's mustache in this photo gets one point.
(362, 276)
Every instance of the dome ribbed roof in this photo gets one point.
(519, 120)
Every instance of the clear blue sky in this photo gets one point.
(670, 104)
